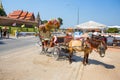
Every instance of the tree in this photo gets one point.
(113, 30)
(44, 21)
(61, 21)
(2, 12)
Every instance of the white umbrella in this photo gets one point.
(91, 25)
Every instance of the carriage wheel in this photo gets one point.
(56, 53)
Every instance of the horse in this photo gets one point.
(78, 45)
(87, 47)
(98, 43)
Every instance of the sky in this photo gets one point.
(73, 12)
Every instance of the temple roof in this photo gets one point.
(23, 15)
(5, 21)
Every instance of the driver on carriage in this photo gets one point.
(45, 37)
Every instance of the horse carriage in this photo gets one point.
(59, 46)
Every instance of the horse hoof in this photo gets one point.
(70, 62)
(84, 64)
(88, 63)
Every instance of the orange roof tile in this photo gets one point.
(30, 14)
(16, 13)
(24, 14)
(14, 17)
(19, 14)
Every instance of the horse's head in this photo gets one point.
(101, 49)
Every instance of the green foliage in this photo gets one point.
(20, 29)
(2, 12)
(44, 21)
(113, 30)
(31, 29)
(61, 21)
(9, 30)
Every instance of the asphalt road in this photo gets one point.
(13, 43)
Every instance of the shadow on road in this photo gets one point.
(1, 43)
(92, 61)
(96, 62)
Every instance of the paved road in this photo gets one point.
(28, 64)
(13, 43)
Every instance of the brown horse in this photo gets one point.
(88, 46)
(77, 45)
(98, 44)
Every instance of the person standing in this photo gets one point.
(0, 33)
(8, 34)
(16, 34)
(4, 33)
(110, 40)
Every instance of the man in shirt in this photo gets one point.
(110, 40)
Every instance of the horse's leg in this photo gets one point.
(70, 55)
(85, 59)
(70, 60)
(87, 55)
(43, 48)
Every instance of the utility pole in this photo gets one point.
(78, 16)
